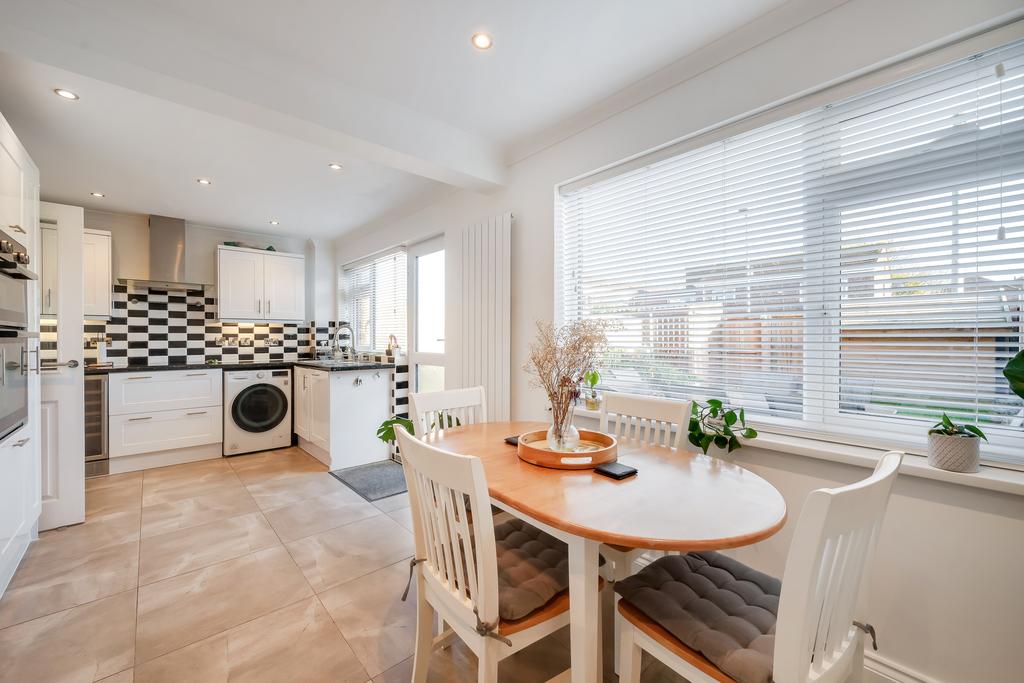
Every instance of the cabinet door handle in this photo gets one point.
(140, 419)
(268, 306)
(49, 298)
(201, 412)
(141, 377)
(18, 228)
(20, 442)
(196, 374)
(358, 381)
(259, 306)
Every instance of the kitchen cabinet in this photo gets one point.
(337, 414)
(48, 268)
(260, 285)
(97, 274)
(163, 410)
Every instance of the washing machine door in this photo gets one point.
(259, 408)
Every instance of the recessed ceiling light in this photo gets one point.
(334, 167)
(482, 41)
(274, 222)
(98, 194)
(66, 94)
(204, 181)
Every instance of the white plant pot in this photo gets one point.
(954, 452)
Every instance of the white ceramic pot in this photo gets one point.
(955, 453)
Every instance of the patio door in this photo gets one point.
(426, 297)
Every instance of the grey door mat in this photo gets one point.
(373, 481)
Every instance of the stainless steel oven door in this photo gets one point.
(13, 301)
(13, 380)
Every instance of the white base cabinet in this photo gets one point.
(337, 415)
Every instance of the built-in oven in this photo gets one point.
(14, 337)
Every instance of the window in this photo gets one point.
(856, 269)
(373, 300)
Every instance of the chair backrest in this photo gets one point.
(460, 561)
(436, 410)
(645, 418)
(832, 543)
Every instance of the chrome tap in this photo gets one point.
(339, 349)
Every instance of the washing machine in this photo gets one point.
(257, 410)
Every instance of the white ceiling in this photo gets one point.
(261, 94)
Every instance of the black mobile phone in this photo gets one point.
(512, 440)
(615, 470)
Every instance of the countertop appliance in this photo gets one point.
(257, 410)
(97, 457)
(14, 346)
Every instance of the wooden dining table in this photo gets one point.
(678, 500)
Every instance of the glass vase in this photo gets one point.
(564, 437)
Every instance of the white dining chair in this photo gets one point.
(436, 410)
(712, 619)
(642, 419)
(498, 588)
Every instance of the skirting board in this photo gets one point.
(877, 669)
(146, 461)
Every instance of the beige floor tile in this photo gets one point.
(226, 502)
(348, 552)
(128, 478)
(314, 515)
(96, 532)
(181, 551)
(296, 643)
(126, 676)
(50, 580)
(392, 503)
(260, 467)
(281, 491)
(185, 609)
(372, 617)
(123, 496)
(169, 484)
(83, 644)
(403, 516)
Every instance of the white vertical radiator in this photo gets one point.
(486, 305)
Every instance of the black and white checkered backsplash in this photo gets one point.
(155, 327)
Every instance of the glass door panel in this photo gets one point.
(427, 315)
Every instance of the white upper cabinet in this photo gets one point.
(97, 274)
(260, 285)
(48, 268)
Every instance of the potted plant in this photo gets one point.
(560, 358)
(712, 423)
(1014, 374)
(592, 379)
(386, 431)
(954, 447)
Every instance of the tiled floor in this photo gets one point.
(254, 568)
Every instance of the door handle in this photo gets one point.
(140, 419)
(54, 366)
(18, 228)
(49, 298)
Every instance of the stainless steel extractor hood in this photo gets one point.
(166, 257)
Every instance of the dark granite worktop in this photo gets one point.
(254, 365)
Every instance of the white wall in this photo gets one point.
(201, 248)
(937, 613)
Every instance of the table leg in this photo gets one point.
(584, 611)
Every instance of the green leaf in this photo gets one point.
(730, 417)
(977, 432)
(721, 441)
(749, 433)
(714, 403)
(727, 430)
(386, 431)
(694, 424)
(734, 443)
(1014, 374)
(695, 439)
(743, 417)
(705, 442)
(694, 408)
(715, 411)
(947, 423)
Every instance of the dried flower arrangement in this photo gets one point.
(560, 358)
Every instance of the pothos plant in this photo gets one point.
(713, 422)
(386, 431)
(1014, 374)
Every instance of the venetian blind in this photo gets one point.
(855, 269)
(373, 299)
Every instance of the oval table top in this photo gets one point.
(677, 501)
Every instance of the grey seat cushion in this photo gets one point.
(715, 605)
(533, 567)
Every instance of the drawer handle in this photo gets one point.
(140, 419)
(141, 377)
(201, 412)
(18, 228)
(196, 374)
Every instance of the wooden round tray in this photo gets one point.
(533, 448)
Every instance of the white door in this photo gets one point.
(300, 409)
(61, 427)
(47, 269)
(426, 315)
(97, 274)
(240, 284)
(284, 287)
(319, 400)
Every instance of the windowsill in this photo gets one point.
(989, 478)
